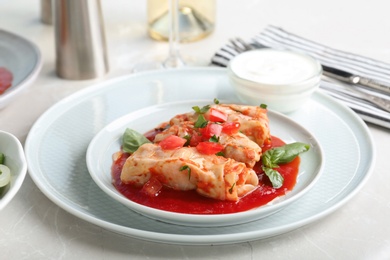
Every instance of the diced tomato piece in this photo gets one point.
(210, 130)
(209, 148)
(152, 187)
(172, 142)
(195, 139)
(230, 128)
(216, 115)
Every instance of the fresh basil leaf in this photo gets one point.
(201, 110)
(274, 176)
(201, 122)
(271, 157)
(291, 151)
(196, 109)
(188, 138)
(220, 154)
(216, 101)
(281, 155)
(186, 167)
(214, 139)
(231, 188)
(284, 154)
(205, 109)
(132, 140)
(2, 158)
(263, 106)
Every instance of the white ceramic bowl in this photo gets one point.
(16, 161)
(108, 141)
(283, 80)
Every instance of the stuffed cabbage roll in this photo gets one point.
(237, 146)
(186, 169)
(253, 120)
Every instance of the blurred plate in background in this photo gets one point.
(23, 59)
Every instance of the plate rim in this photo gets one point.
(190, 239)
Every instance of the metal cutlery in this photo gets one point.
(354, 79)
(352, 91)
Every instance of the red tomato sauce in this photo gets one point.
(191, 202)
(6, 78)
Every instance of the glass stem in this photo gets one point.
(174, 59)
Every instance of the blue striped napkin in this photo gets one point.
(277, 38)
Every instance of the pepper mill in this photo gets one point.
(81, 51)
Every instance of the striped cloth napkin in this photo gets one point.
(277, 38)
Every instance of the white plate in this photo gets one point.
(23, 59)
(109, 139)
(15, 160)
(58, 141)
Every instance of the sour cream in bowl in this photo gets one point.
(283, 80)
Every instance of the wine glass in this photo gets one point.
(174, 59)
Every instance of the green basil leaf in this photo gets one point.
(214, 139)
(188, 138)
(2, 158)
(132, 140)
(201, 122)
(271, 157)
(186, 167)
(263, 106)
(284, 154)
(220, 154)
(196, 109)
(291, 151)
(216, 101)
(231, 188)
(274, 176)
(280, 155)
(201, 110)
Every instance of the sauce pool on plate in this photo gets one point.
(190, 202)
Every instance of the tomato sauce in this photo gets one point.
(191, 202)
(5, 79)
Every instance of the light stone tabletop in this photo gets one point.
(33, 227)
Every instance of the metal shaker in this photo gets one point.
(46, 13)
(81, 51)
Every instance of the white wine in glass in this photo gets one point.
(196, 19)
(172, 15)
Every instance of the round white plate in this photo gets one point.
(15, 160)
(109, 140)
(57, 143)
(23, 59)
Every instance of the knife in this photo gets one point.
(350, 91)
(355, 79)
